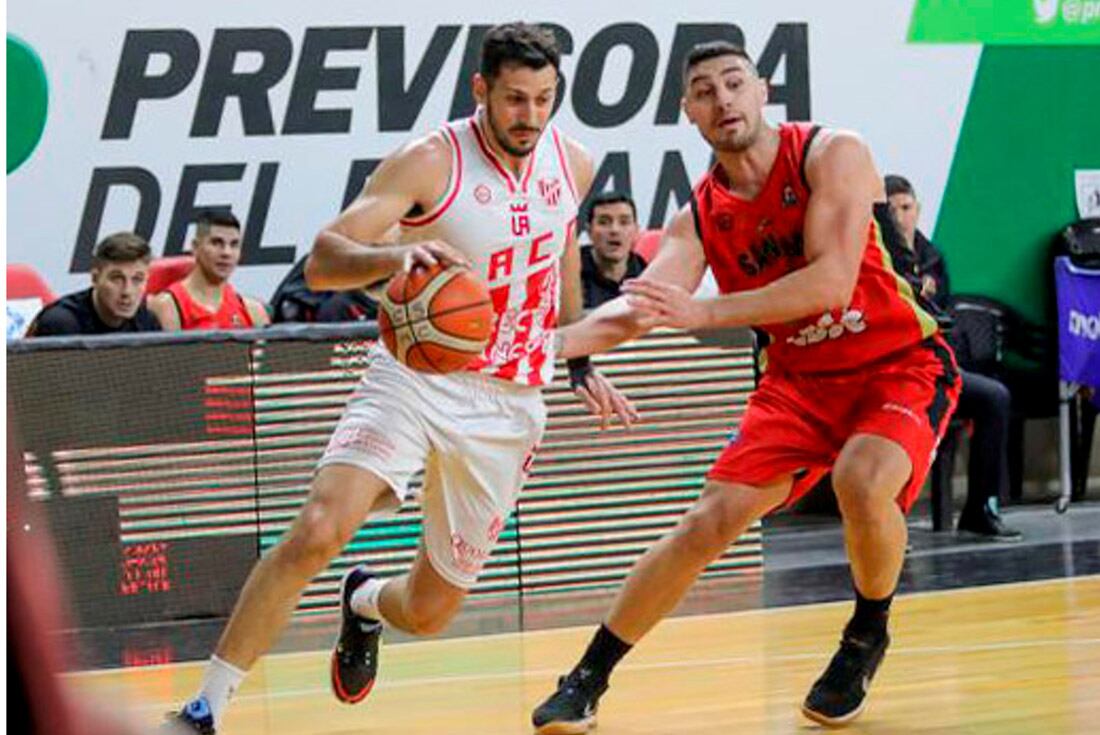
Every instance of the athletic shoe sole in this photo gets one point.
(567, 728)
(827, 721)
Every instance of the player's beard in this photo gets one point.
(502, 139)
(741, 142)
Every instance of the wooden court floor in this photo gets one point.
(1019, 658)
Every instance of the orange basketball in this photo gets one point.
(436, 320)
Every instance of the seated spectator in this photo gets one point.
(116, 300)
(205, 299)
(983, 400)
(610, 259)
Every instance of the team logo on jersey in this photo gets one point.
(790, 199)
(483, 194)
(724, 222)
(550, 189)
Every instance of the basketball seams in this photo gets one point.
(412, 322)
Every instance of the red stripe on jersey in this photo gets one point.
(430, 217)
(564, 163)
(539, 285)
(549, 321)
(530, 165)
(499, 295)
(491, 157)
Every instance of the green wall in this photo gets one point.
(1033, 117)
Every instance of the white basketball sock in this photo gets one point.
(219, 683)
(364, 601)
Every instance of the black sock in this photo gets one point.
(604, 652)
(870, 617)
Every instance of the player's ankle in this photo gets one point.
(870, 618)
(219, 683)
(602, 656)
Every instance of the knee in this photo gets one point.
(314, 539)
(1001, 400)
(707, 529)
(862, 487)
(425, 616)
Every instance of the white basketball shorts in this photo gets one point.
(474, 437)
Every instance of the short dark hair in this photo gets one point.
(701, 52)
(609, 197)
(208, 218)
(899, 185)
(121, 247)
(518, 43)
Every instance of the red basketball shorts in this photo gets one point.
(797, 425)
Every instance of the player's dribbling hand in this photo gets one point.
(604, 400)
(429, 253)
(664, 305)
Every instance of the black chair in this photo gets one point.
(991, 338)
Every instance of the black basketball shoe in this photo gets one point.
(571, 710)
(355, 658)
(838, 697)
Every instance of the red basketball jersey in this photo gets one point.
(749, 244)
(231, 314)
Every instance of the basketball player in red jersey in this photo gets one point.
(204, 299)
(857, 381)
(498, 192)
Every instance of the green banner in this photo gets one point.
(28, 101)
(1006, 22)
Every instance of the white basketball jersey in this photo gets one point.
(513, 229)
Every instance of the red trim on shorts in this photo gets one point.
(430, 217)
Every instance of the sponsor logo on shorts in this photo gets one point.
(903, 410)
(469, 558)
(359, 438)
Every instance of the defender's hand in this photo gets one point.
(605, 400)
(664, 305)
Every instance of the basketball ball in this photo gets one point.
(436, 320)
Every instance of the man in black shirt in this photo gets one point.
(610, 259)
(116, 300)
(984, 399)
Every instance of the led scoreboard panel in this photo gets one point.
(165, 465)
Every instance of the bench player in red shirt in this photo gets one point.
(793, 222)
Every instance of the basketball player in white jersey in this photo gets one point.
(499, 193)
